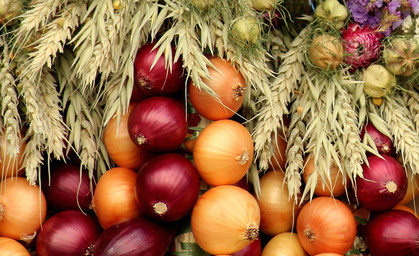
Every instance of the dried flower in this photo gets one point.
(362, 45)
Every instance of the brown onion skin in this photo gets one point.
(393, 232)
(160, 121)
(64, 190)
(371, 190)
(169, 179)
(383, 143)
(137, 237)
(156, 80)
(68, 233)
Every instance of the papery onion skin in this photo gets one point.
(326, 224)
(383, 143)
(393, 232)
(68, 187)
(11, 247)
(384, 184)
(137, 237)
(22, 208)
(277, 210)
(158, 124)
(227, 83)
(225, 219)
(121, 149)
(114, 197)
(223, 152)
(68, 233)
(153, 78)
(283, 244)
(167, 187)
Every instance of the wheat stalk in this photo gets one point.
(411, 100)
(35, 19)
(11, 128)
(402, 129)
(52, 41)
(269, 119)
(55, 141)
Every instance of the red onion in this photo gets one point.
(394, 232)
(155, 79)
(383, 143)
(137, 237)
(167, 187)
(68, 233)
(253, 249)
(384, 183)
(67, 188)
(158, 124)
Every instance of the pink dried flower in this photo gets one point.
(362, 45)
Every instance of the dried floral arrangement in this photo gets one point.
(67, 69)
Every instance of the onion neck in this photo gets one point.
(243, 158)
(310, 234)
(391, 186)
(238, 91)
(160, 208)
(141, 140)
(90, 250)
(251, 232)
(144, 83)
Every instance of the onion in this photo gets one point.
(137, 237)
(283, 244)
(158, 124)
(152, 77)
(22, 209)
(384, 183)
(114, 197)
(11, 247)
(121, 149)
(67, 233)
(225, 219)
(68, 188)
(393, 232)
(167, 187)
(253, 249)
(383, 143)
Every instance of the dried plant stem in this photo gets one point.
(402, 128)
(36, 19)
(11, 128)
(84, 121)
(411, 100)
(270, 116)
(52, 42)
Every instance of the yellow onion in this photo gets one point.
(284, 244)
(225, 219)
(326, 52)
(402, 56)
(277, 210)
(378, 81)
(11, 247)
